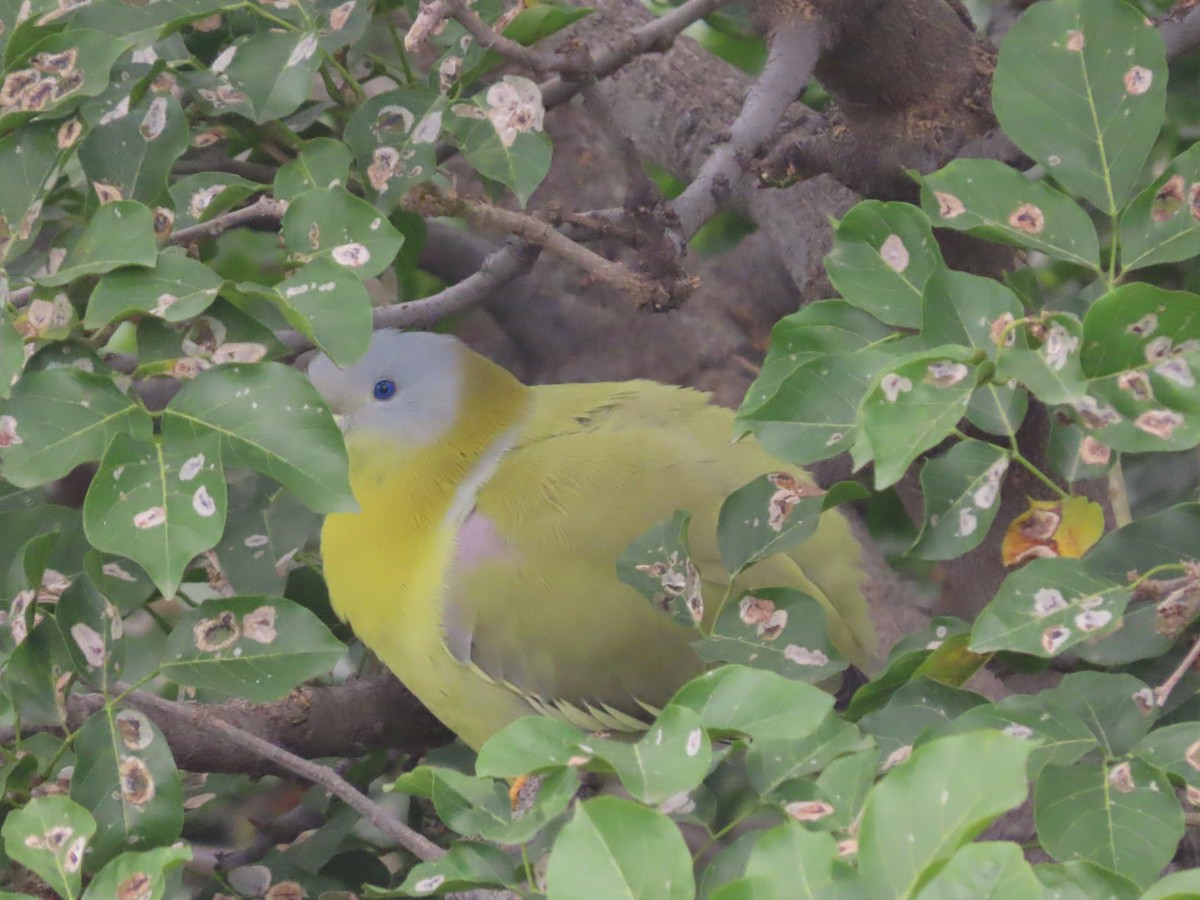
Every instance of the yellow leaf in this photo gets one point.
(1053, 528)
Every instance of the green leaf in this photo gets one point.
(995, 201)
(329, 305)
(198, 198)
(960, 308)
(1061, 738)
(914, 406)
(527, 746)
(795, 862)
(993, 869)
(93, 632)
(1047, 607)
(321, 163)
(952, 788)
(1176, 886)
(176, 289)
(118, 579)
(466, 865)
(394, 138)
(50, 835)
(658, 565)
(670, 759)
(1122, 815)
(1082, 880)
(770, 763)
(613, 848)
(259, 411)
(77, 64)
(255, 648)
(812, 413)
(28, 158)
(482, 807)
(500, 134)
(331, 223)
(141, 875)
(769, 515)
(125, 774)
(920, 707)
(1161, 225)
(59, 418)
(134, 152)
(883, 254)
(961, 491)
(1080, 86)
(1117, 708)
(118, 234)
(738, 700)
(1174, 749)
(778, 629)
(264, 76)
(1051, 368)
(158, 502)
(1141, 345)
(12, 351)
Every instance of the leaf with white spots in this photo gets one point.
(915, 404)
(176, 289)
(321, 163)
(671, 758)
(482, 807)
(613, 847)
(778, 629)
(1174, 749)
(739, 700)
(159, 502)
(1080, 86)
(135, 153)
(56, 419)
(658, 565)
(49, 836)
(529, 745)
(256, 648)
(995, 201)
(1047, 607)
(12, 359)
(914, 712)
(1162, 224)
(1141, 353)
(883, 254)
(125, 774)
(770, 763)
(118, 234)
(1045, 357)
(146, 870)
(271, 419)
(325, 302)
(268, 76)
(28, 157)
(993, 869)
(1061, 738)
(1125, 819)
(266, 527)
(961, 491)
(771, 514)
(394, 137)
(1117, 708)
(93, 632)
(467, 865)
(952, 788)
(331, 223)
(198, 198)
(811, 413)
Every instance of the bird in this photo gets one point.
(480, 566)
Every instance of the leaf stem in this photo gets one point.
(1118, 495)
(1038, 473)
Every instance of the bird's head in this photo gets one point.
(407, 388)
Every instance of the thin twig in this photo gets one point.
(490, 39)
(262, 208)
(1163, 691)
(417, 844)
(792, 56)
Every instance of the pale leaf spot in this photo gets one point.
(216, 633)
(949, 206)
(1019, 731)
(897, 756)
(1093, 619)
(116, 570)
(1158, 349)
(259, 625)
(239, 352)
(947, 373)
(1120, 777)
(8, 432)
(1094, 453)
(352, 255)
(256, 540)
(808, 810)
(137, 784)
(304, 50)
(191, 468)
(1159, 422)
(1059, 346)
(1054, 637)
(894, 253)
(1047, 601)
(221, 63)
(135, 729)
(1192, 756)
(1176, 370)
(150, 518)
(805, 656)
(90, 643)
(1137, 385)
(894, 385)
(1075, 41)
(694, 739)
(138, 886)
(1138, 80)
(203, 503)
(73, 858)
(430, 884)
(339, 15)
(773, 626)
(967, 522)
(1028, 219)
(755, 610)
(155, 120)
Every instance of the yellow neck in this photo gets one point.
(412, 498)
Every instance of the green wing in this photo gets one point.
(596, 467)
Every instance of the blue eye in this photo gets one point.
(385, 389)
